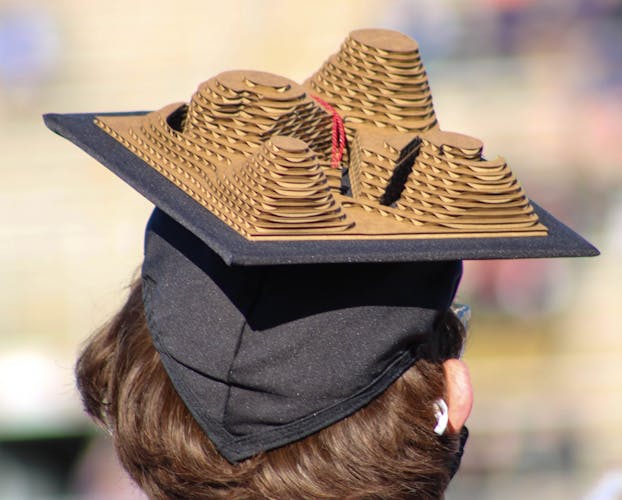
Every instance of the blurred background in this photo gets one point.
(539, 81)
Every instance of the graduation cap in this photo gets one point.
(256, 178)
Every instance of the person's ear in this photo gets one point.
(458, 393)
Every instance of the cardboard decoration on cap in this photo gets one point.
(246, 166)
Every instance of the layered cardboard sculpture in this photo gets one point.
(257, 151)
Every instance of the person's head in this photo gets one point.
(387, 449)
(280, 381)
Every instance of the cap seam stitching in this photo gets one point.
(248, 311)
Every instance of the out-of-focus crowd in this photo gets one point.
(539, 82)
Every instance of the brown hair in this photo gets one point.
(385, 450)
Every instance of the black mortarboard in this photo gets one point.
(264, 349)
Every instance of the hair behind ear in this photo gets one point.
(96, 364)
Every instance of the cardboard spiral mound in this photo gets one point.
(239, 110)
(255, 150)
(378, 79)
(280, 190)
(450, 181)
(380, 163)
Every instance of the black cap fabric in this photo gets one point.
(264, 355)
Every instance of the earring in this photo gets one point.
(441, 412)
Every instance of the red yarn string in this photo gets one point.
(339, 132)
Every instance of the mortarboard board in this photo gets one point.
(257, 176)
